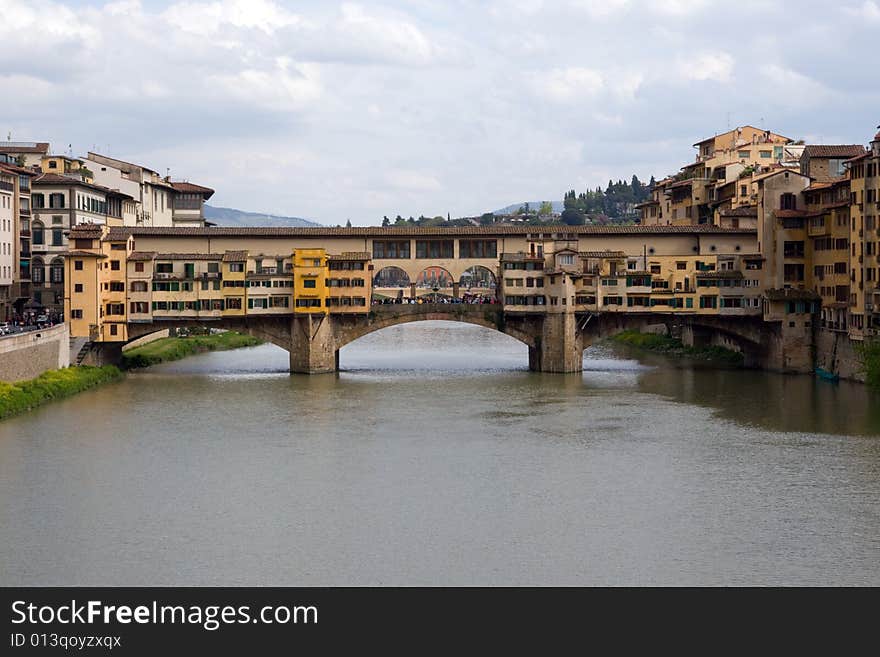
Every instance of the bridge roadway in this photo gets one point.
(555, 340)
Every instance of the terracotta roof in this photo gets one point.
(789, 294)
(141, 256)
(195, 256)
(38, 147)
(788, 214)
(84, 254)
(349, 255)
(835, 150)
(816, 185)
(741, 211)
(647, 203)
(393, 231)
(235, 256)
(859, 157)
(55, 179)
(86, 231)
(14, 168)
(190, 188)
(602, 254)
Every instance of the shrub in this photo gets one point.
(54, 384)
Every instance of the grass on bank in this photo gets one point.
(869, 353)
(55, 384)
(167, 349)
(669, 346)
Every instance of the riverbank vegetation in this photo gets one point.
(55, 384)
(669, 346)
(168, 349)
(869, 352)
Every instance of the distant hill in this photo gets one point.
(232, 217)
(558, 206)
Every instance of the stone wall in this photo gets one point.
(836, 353)
(27, 355)
(147, 339)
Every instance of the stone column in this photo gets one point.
(559, 349)
(313, 345)
(412, 290)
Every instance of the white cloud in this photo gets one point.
(793, 87)
(209, 17)
(600, 8)
(566, 84)
(707, 66)
(338, 109)
(413, 181)
(287, 87)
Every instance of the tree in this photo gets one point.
(572, 218)
(348, 223)
(546, 209)
(487, 219)
(386, 221)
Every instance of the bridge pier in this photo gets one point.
(559, 349)
(313, 345)
(103, 353)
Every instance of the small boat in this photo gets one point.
(828, 376)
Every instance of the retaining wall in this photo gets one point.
(27, 355)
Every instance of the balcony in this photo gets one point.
(164, 275)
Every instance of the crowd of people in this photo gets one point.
(465, 298)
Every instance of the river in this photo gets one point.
(435, 457)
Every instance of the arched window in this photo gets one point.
(37, 270)
(57, 270)
(37, 236)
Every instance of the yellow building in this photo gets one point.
(310, 274)
(233, 275)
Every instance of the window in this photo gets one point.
(164, 267)
(566, 259)
(391, 250)
(434, 248)
(477, 249)
(78, 287)
(78, 265)
(37, 233)
(213, 267)
(742, 154)
(138, 286)
(139, 267)
(836, 167)
(57, 271)
(117, 286)
(766, 155)
(236, 266)
(57, 237)
(139, 307)
(114, 265)
(310, 283)
(76, 313)
(233, 303)
(788, 202)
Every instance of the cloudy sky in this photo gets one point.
(335, 110)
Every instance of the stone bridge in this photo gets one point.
(555, 340)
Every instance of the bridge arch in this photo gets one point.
(267, 329)
(486, 316)
(392, 282)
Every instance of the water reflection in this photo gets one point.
(435, 457)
